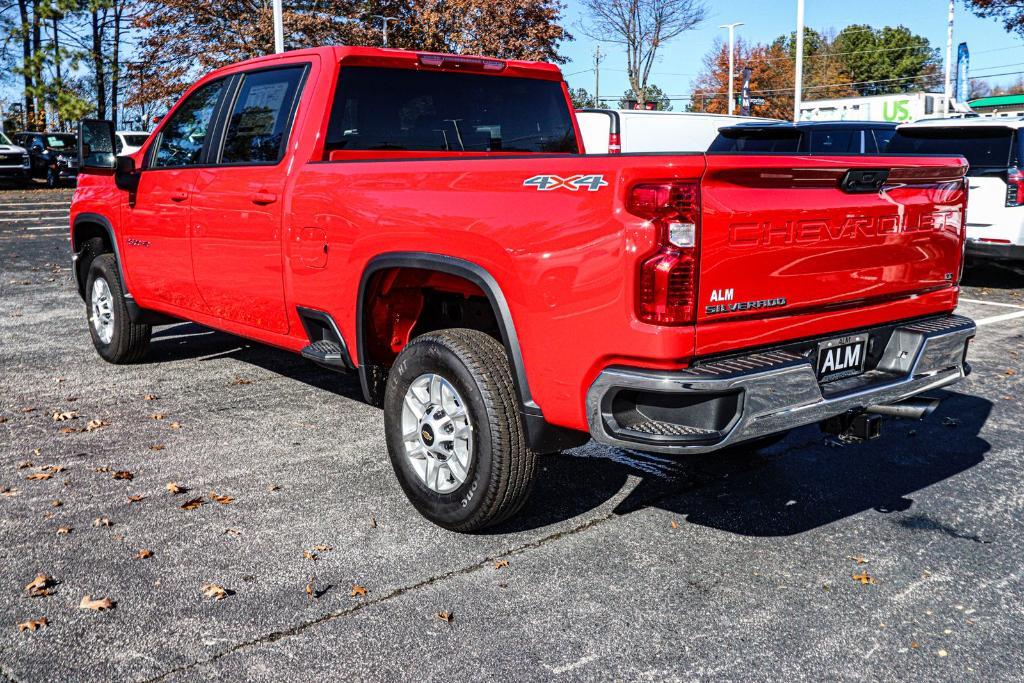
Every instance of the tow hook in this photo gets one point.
(853, 427)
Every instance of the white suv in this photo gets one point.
(994, 148)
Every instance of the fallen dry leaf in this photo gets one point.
(28, 410)
(309, 589)
(674, 524)
(445, 616)
(373, 521)
(175, 425)
(233, 532)
(39, 476)
(212, 590)
(156, 447)
(158, 416)
(1011, 373)
(942, 653)
(864, 578)
(55, 503)
(136, 498)
(101, 521)
(174, 489)
(241, 381)
(143, 554)
(306, 555)
(8, 492)
(194, 504)
(33, 625)
(62, 416)
(40, 586)
(357, 591)
(53, 468)
(150, 397)
(322, 548)
(64, 530)
(273, 487)
(499, 564)
(220, 498)
(24, 464)
(914, 646)
(124, 475)
(93, 425)
(858, 559)
(97, 605)
(101, 469)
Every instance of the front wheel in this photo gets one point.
(116, 338)
(453, 430)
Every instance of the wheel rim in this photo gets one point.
(102, 302)
(437, 433)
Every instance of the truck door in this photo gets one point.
(236, 215)
(156, 249)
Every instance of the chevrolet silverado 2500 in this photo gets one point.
(430, 222)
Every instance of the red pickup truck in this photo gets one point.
(432, 223)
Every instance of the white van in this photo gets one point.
(994, 148)
(611, 131)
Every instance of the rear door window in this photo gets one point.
(986, 149)
(260, 122)
(384, 110)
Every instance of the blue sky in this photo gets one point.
(992, 49)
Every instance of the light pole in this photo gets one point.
(278, 27)
(798, 77)
(732, 54)
(385, 20)
(949, 58)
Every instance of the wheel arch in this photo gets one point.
(87, 226)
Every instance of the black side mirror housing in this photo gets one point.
(125, 176)
(96, 145)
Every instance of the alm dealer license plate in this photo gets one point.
(842, 357)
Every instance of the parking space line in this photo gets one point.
(991, 303)
(49, 227)
(64, 203)
(999, 318)
(25, 218)
(4, 212)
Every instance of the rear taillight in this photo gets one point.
(1014, 187)
(667, 288)
(614, 144)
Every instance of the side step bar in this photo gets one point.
(327, 353)
(326, 344)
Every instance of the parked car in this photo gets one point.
(14, 160)
(806, 137)
(613, 131)
(994, 148)
(54, 156)
(129, 141)
(429, 222)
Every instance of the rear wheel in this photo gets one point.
(453, 430)
(116, 338)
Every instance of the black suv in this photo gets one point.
(54, 155)
(806, 137)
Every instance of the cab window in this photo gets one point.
(183, 137)
(257, 131)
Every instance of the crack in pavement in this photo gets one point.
(275, 636)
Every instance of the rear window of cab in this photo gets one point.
(387, 110)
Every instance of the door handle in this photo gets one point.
(179, 196)
(264, 198)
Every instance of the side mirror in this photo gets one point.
(96, 145)
(125, 176)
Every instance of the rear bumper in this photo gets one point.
(724, 402)
(16, 172)
(995, 251)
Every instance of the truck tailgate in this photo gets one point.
(784, 235)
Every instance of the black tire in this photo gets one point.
(502, 468)
(128, 341)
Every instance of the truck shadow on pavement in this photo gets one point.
(797, 485)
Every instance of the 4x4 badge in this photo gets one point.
(546, 183)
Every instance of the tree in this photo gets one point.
(582, 99)
(651, 94)
(771, 78)
(1011, 12)
(978, 88)
(887, 60)
(641, 27)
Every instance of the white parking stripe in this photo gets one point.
(50, 227)
(25, 218)
(4, 212)
(999, 318)
(991, 303)
(40, 203)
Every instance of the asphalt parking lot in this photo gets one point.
(622, 566)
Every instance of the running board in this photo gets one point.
(326, 353)
(326, 344)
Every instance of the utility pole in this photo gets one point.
(798, 77)
(597, 76)
(278, 27)
(385, 20)
(949, 57)
(732, 55)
